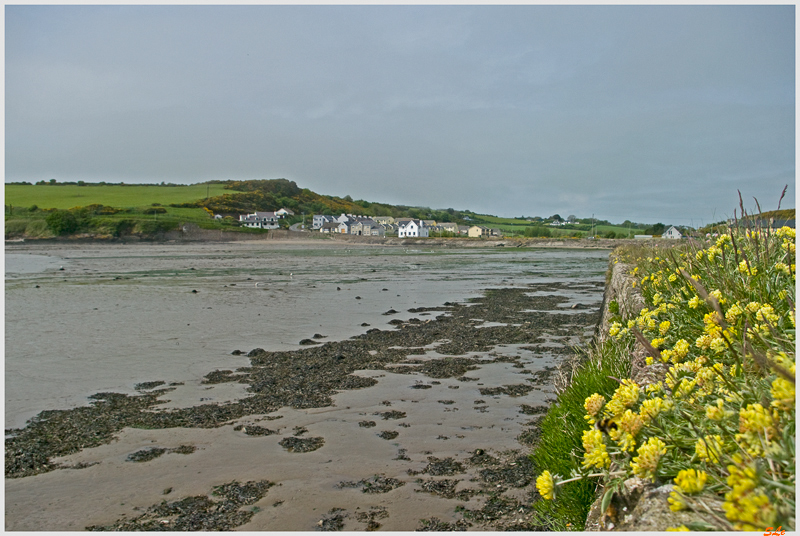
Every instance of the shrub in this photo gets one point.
(151, 227)
(38, 229)
(15, 228)
(155, 210)
(62, 222)
(720, 426)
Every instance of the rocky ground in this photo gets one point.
(490, 489)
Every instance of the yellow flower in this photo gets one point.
(626, 442)
(675, 501)
(685, 388)
(744, 268)
(546, 485)
(718, 295)
(750, 512)
(614, 329)
(663, 327)
(733, 313)
(709, 448)
(650, 408)
(781, 267)
(681, 348)
(595, 454)
(753, 306)
(718, 345)
(645, 464)
(679, 528)
(767, 313)
(717, 412)
(695, 302)
(631, 422)
(691, 481)
(658, 341)
(594, 403)
(783, 393)
(627, 393)
(756, 428)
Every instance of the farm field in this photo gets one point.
(124, 196)
(515, 225)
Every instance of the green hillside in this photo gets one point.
(66, 196)
(112, 210)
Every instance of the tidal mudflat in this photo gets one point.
(265, 386)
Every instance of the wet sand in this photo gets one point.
(127, 315)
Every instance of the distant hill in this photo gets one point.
(273, 194)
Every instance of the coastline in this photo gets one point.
(469, 376)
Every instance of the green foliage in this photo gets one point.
(15, 228)
(64, 196)
(719, 330)
(38, 229)
(536, 231)
(62, 222)
(562, 429)
(151, 227)
(656, 229)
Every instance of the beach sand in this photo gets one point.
(120, 315)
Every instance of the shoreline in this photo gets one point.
(193, 234)
(438, 385)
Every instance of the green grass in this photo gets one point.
(517, 226)
(561, 431)
(69, 196)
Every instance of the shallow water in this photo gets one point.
(119, 315)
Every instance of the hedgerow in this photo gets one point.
(720, 425)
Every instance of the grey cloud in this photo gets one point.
(617, 110)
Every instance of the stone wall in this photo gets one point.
(637, 505)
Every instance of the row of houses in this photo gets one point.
(264, 220)
(403, 227)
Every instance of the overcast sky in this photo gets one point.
(648, 113)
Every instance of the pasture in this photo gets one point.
(117, 195)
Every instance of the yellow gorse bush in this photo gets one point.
(721, 424)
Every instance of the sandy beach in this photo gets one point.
(390, 390)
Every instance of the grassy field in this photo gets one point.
(509, 225)
(127, 196)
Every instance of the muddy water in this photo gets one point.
(116, 316)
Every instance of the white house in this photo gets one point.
(284, 212)
(673, 233)
(260, 220)
(319, 220)
(412, 229)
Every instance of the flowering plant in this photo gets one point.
(719, 322)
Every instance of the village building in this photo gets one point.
(412, 229)
(383, 220)
(367, 228)
(319, 220)
(479, 231)
(329, 227)
(449, 227)
(260, 220)
(672, 233)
